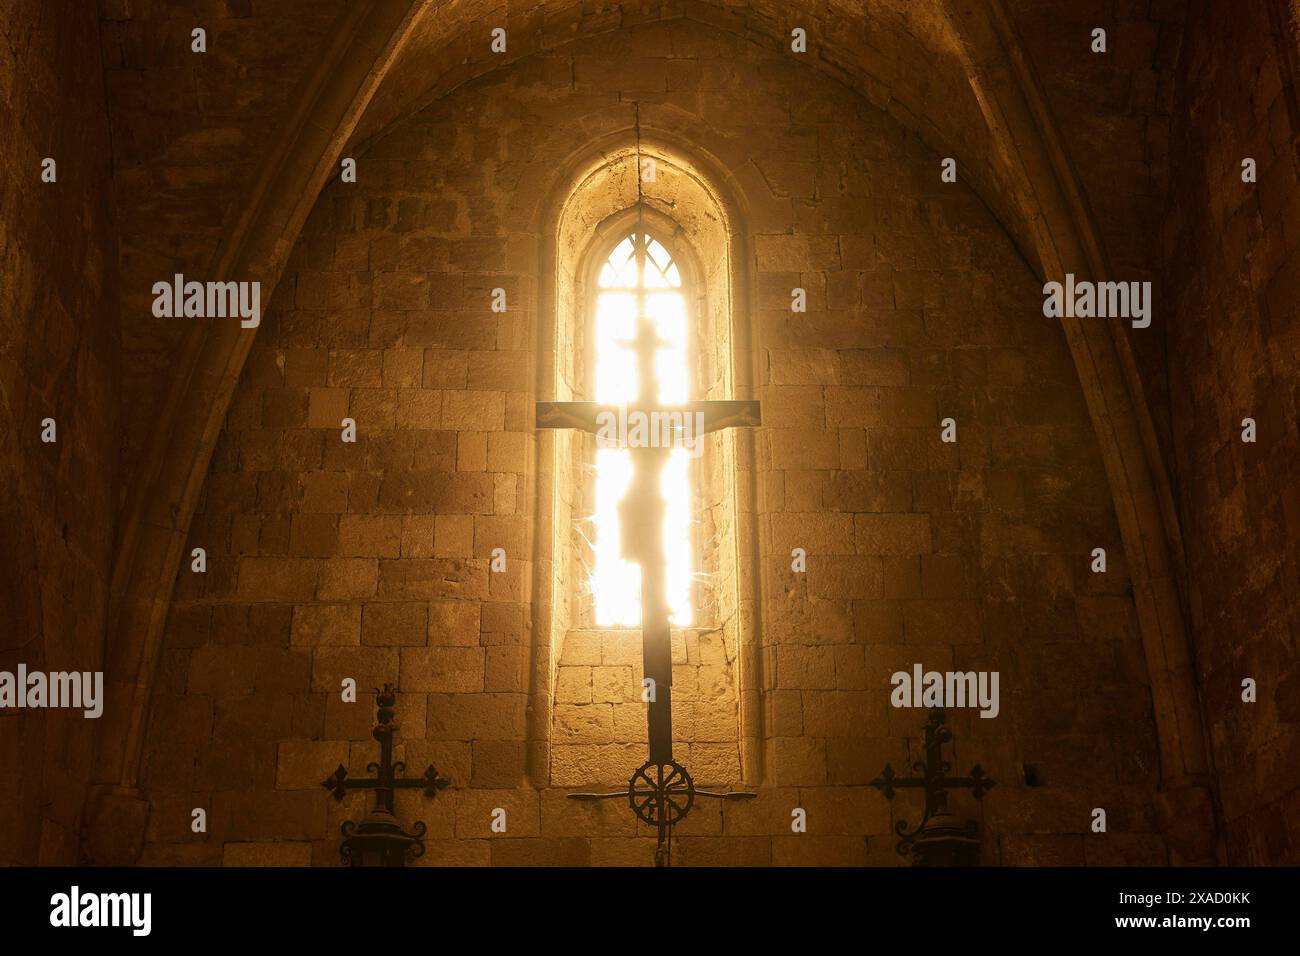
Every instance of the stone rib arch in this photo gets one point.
(159, 510)
(1043, 182)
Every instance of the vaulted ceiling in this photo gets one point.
(189, 131)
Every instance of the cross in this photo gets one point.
(381, 828)
(944, 842)
(660, 791)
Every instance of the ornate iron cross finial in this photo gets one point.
(379, 840)
(938, 839)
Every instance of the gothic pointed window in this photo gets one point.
(669, 250)
(639, 278)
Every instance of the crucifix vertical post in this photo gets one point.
(641, 515)
(661, 791)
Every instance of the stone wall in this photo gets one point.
(370, 560)
(188, 132)
(1112, 110)
(1233, 277)
(59, 359)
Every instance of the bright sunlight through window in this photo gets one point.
(639, 270)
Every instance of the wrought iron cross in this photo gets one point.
(380, 834)
(938, 839)
(660, 791)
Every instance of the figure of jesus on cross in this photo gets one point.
(660, 791)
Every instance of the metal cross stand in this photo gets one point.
(938, 840)
(379, 840)
(660, 791)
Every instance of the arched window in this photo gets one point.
(668, 251)
(639, 278)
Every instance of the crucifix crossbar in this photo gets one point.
(661, 791)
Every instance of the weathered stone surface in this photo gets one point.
(370, 560)
(1232, 287)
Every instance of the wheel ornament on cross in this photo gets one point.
(660, 794)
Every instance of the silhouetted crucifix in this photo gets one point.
(660, 791)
